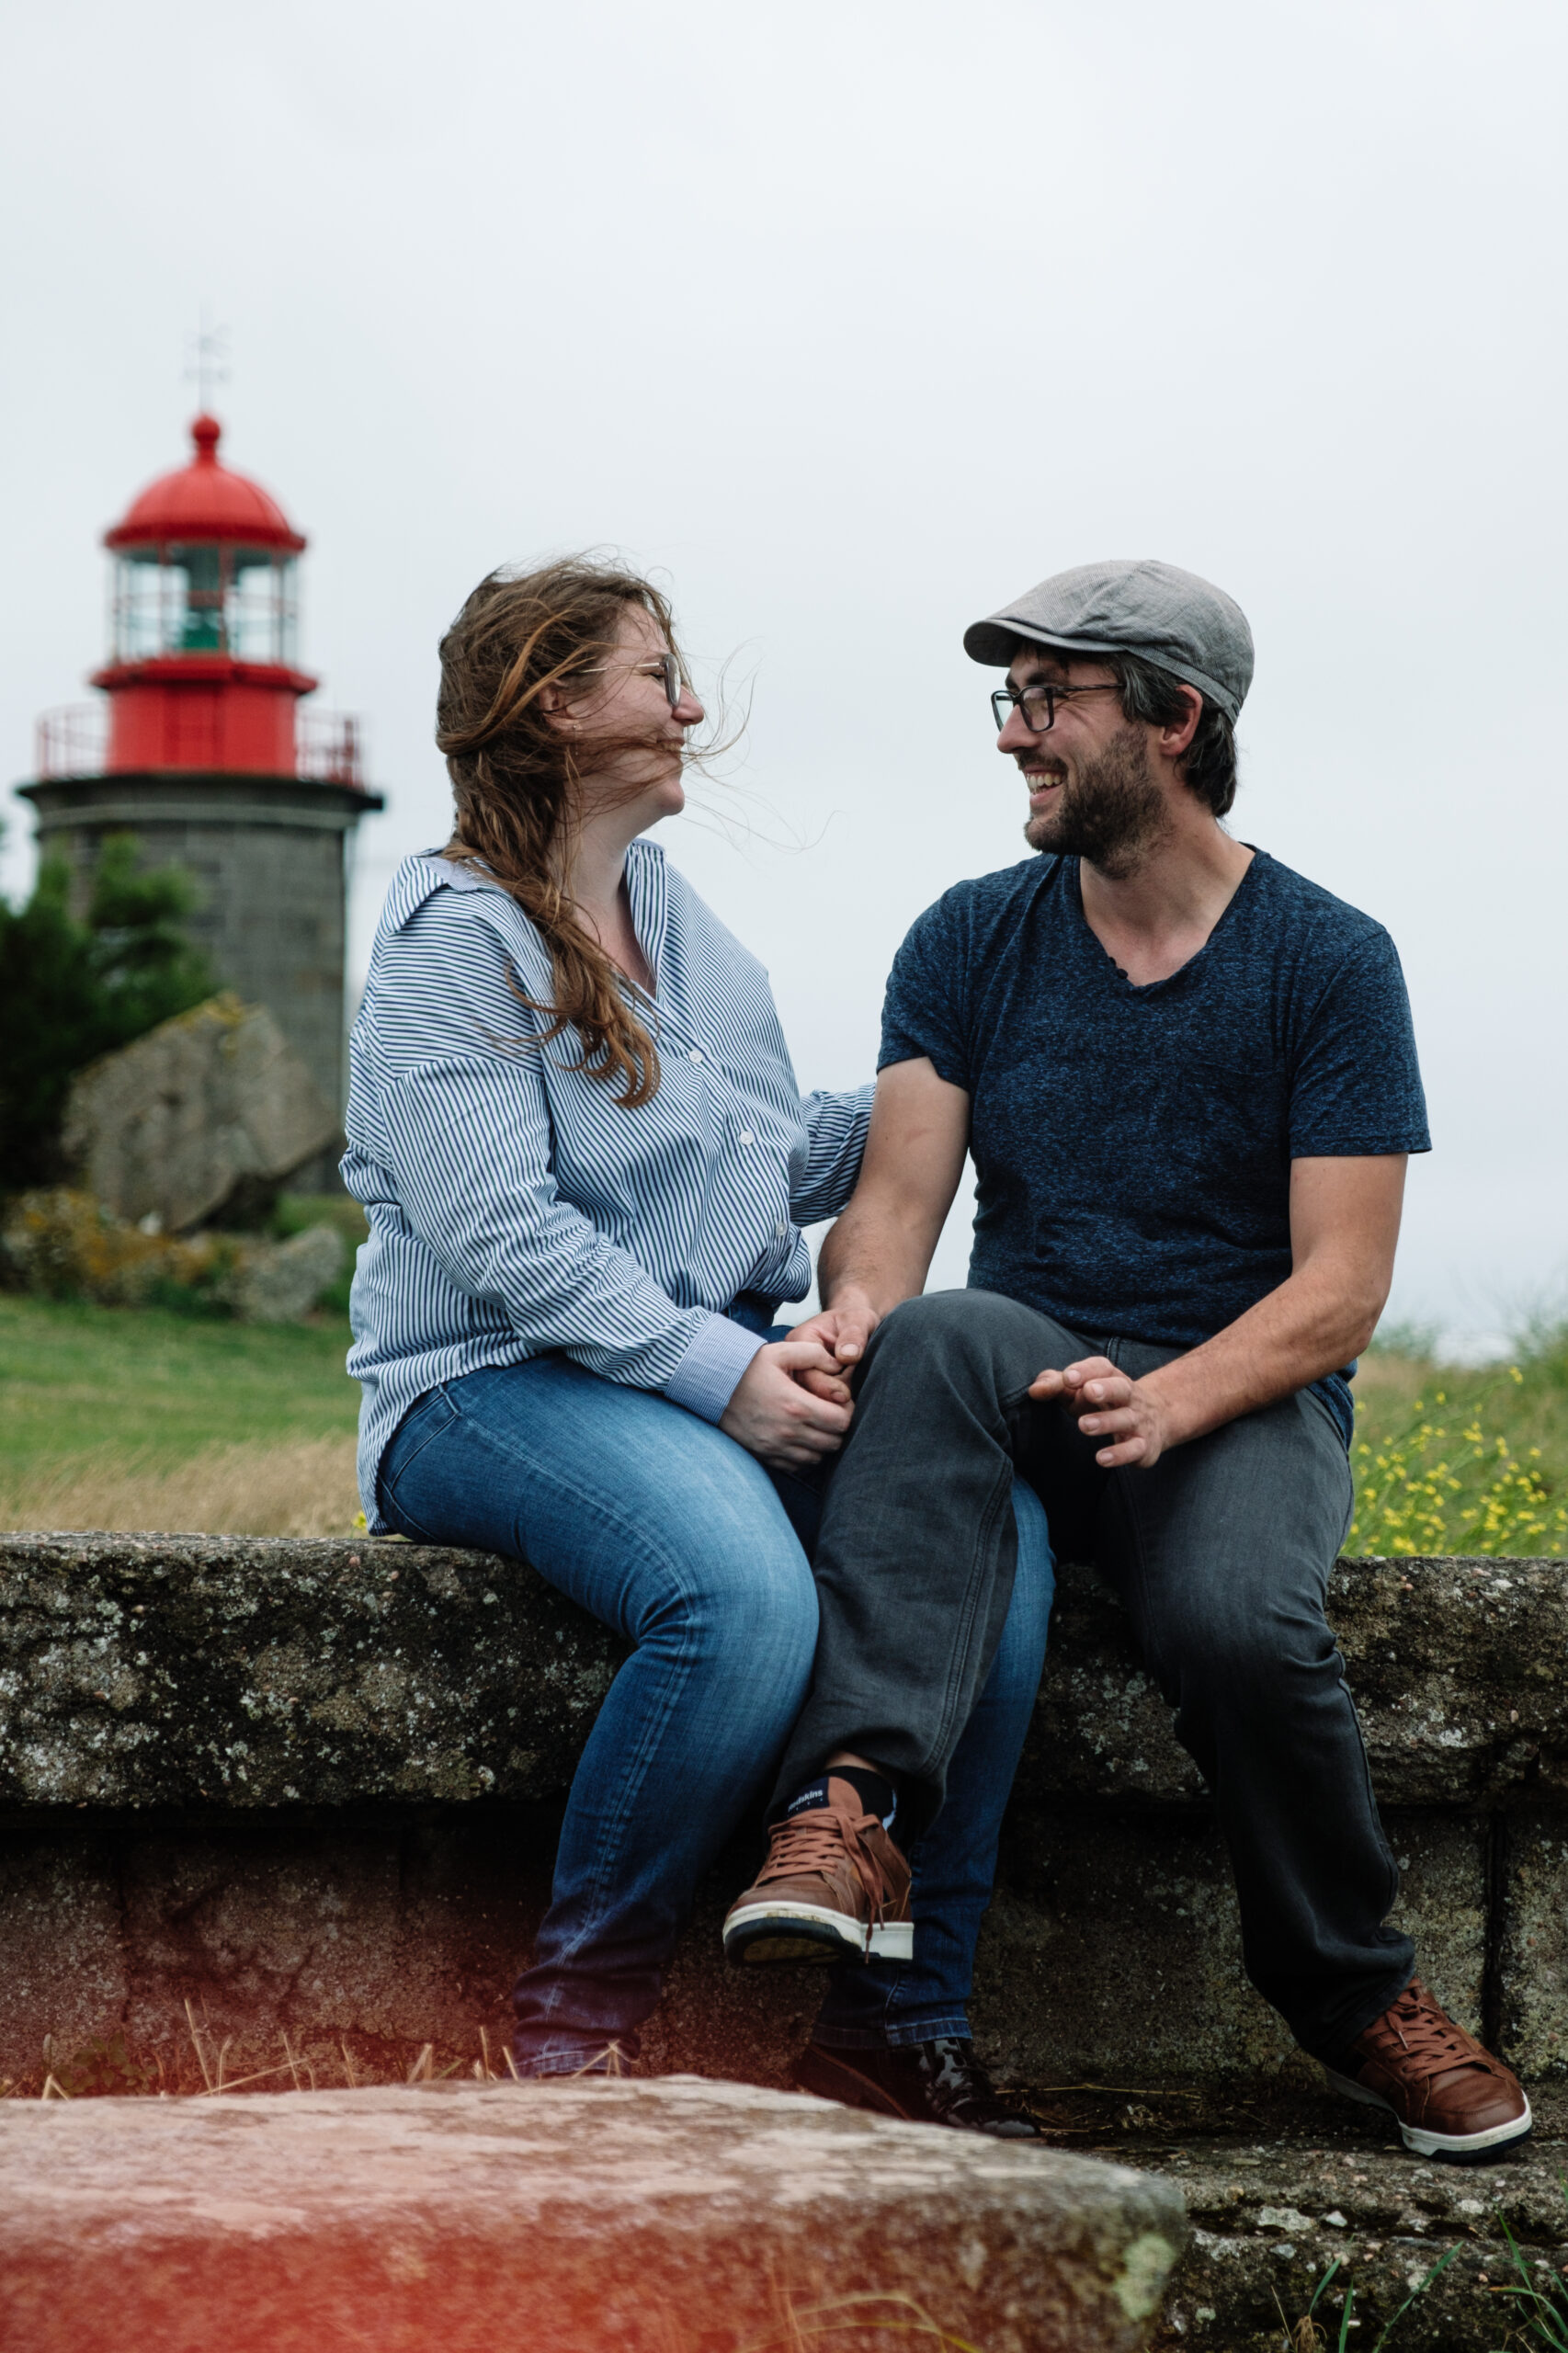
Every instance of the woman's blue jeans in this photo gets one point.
(674, 1537)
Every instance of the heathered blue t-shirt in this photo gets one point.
(1133, 1145)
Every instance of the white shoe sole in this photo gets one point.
(813, 1932)
(1453, 2146)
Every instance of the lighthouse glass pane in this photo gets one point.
(259, 605)
(204, 598)
(150, 606)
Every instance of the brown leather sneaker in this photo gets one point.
(833, 1884)
(1452, 2098)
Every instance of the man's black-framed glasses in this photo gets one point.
(1037, 702)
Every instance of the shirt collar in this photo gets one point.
(647, 888)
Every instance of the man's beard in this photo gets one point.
(1111, 812)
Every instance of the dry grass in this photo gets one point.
(289, 1487)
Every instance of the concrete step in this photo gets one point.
(312, 1789)
(1272, 2217)
(678, 2216)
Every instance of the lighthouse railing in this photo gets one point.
(73, 740)
(328, 745)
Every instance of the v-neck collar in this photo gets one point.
(1146, 989)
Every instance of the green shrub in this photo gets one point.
(73, 991)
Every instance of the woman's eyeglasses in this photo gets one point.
(654, 665)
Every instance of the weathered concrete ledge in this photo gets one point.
(312, 1789)
(671, 2217)
(169, 1670)
(1270, 2218)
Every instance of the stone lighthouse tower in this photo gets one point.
(203, 749)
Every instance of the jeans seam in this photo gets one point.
(388, 1484)
(1001, 1497)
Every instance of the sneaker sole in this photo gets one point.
(781, 1932)
(1447, 2148)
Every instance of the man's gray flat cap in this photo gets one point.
(1164, 614)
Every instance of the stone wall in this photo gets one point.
(268, 854)
(312, 1788)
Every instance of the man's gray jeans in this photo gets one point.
(1220, 1553)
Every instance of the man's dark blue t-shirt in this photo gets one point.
(1133, 1145)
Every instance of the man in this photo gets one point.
(1188, 1082)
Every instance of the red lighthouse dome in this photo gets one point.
(202, 671)
(205, 500)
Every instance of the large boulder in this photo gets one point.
(679, 2216)
(203, 1117)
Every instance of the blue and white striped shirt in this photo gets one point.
(516, 1207)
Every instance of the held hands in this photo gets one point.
(1112, 1405)
(842, 1330)
(775, 1416)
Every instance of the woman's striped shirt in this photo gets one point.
(514, 1207)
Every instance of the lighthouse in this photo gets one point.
(202, 747)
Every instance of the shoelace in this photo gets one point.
(1420, 2029)
(819, 1840)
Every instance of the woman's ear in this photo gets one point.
(553, 704)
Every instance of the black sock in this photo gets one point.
(875, 1793)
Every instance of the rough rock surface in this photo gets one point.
(174, 1670)
(135, 1672)
(1113, 1947)
(312, 1789)
(1456, 1665)
(1270, 2218)
(203, 1117)
(280, 1282)
(670, 2216)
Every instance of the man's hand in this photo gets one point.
(1128, 1414)
(773, 1416)
(842, 1330)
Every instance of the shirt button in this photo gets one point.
(779, 1231)
(746, 1136)
(694, 1053)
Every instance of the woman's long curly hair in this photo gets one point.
(517, 784)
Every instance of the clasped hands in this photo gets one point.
(793, 1404)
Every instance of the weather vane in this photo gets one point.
(207, 357)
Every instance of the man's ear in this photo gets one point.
(1176, 736)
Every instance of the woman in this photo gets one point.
(575, 1131)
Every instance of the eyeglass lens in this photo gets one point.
(1037, 705)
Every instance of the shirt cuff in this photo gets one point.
(709, 1375)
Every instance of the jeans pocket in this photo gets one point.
(420, 1427)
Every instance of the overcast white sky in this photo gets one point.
(855, 320)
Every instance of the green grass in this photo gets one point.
(1446, 1460)
(1454, 1461)
(76, 1379)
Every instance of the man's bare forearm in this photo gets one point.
(1344, 1227)
(881, 1248)
(874, 1254)
(1309, 1326)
